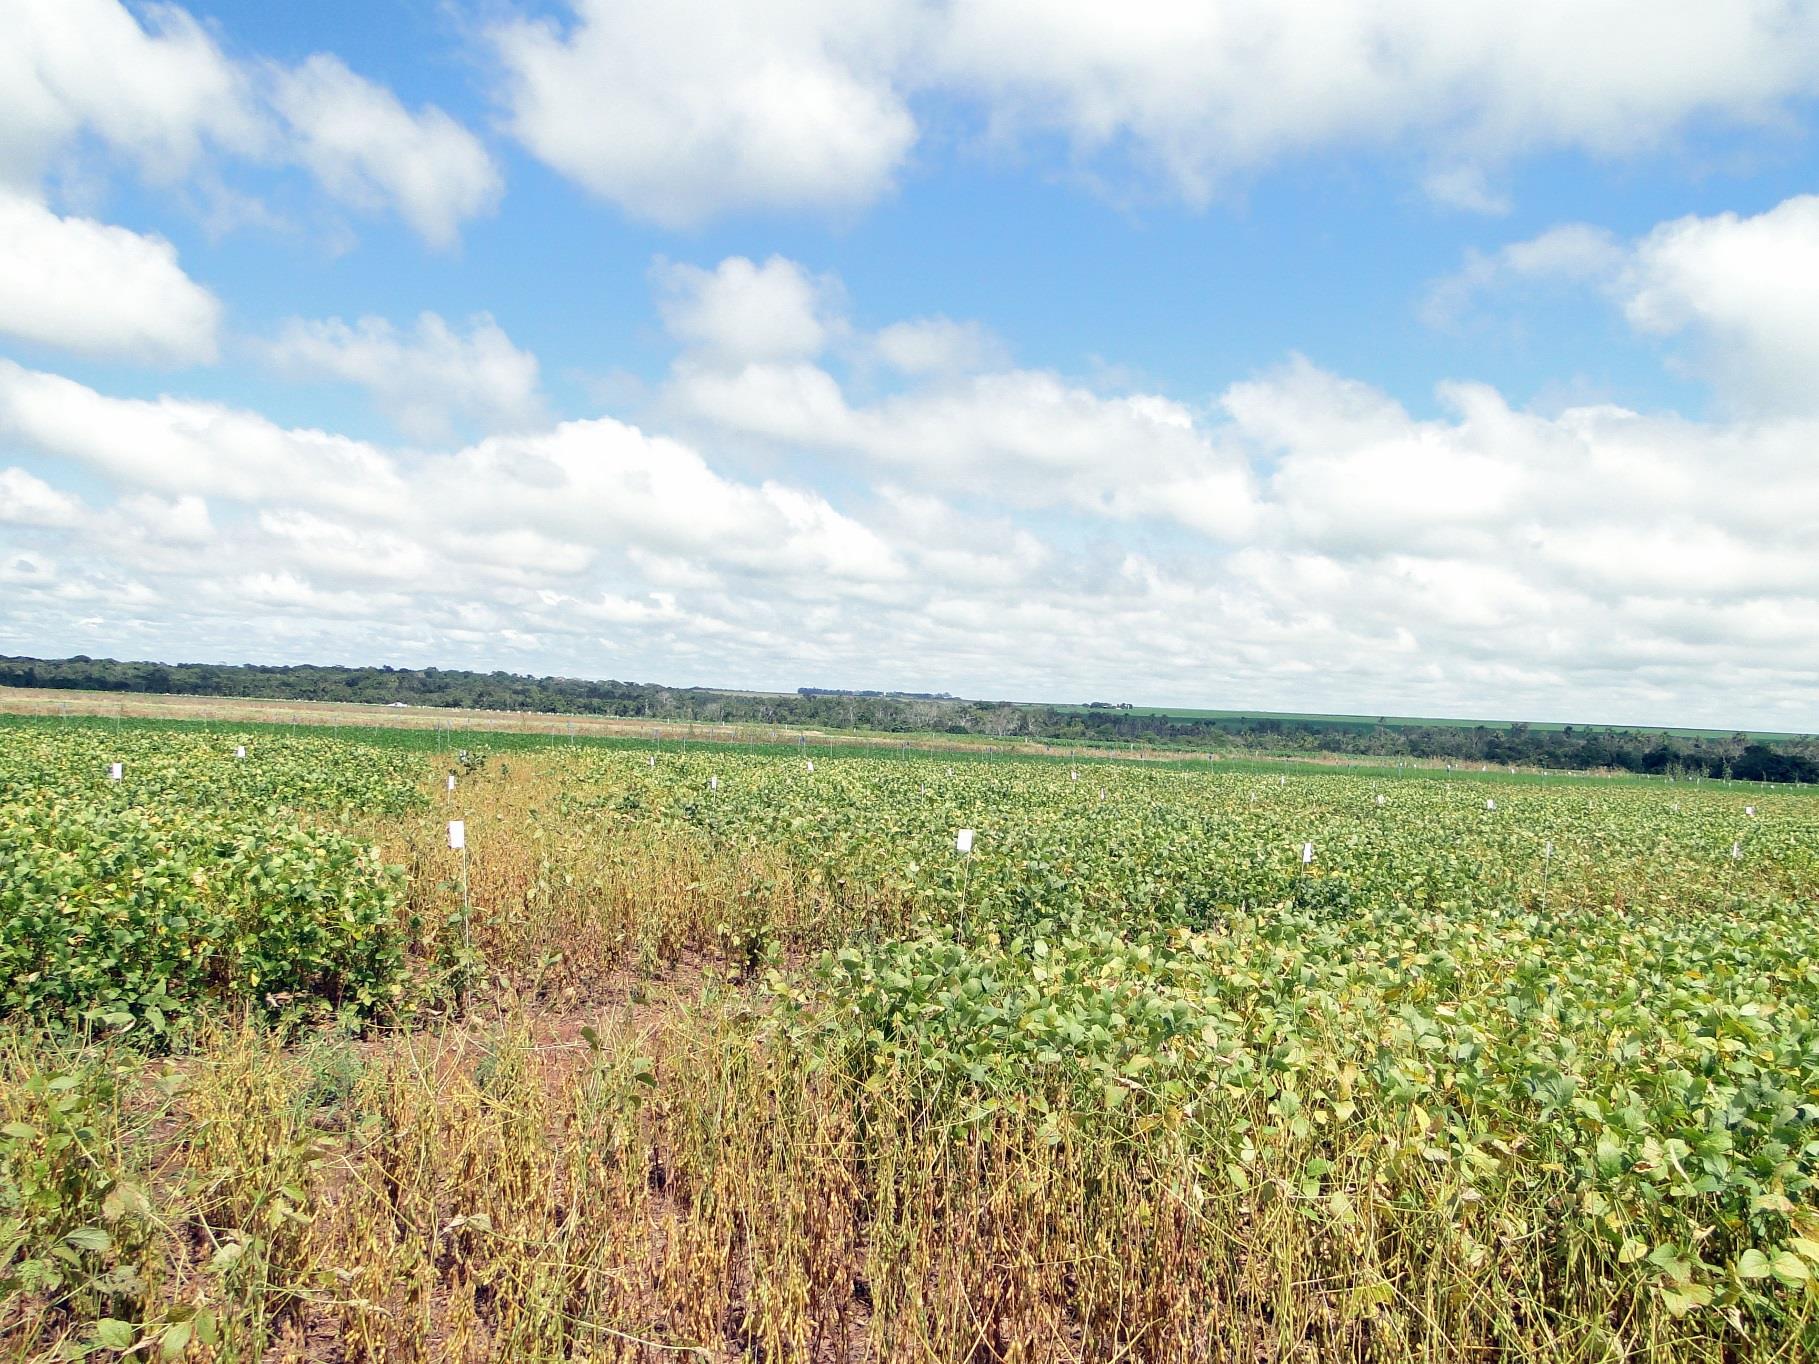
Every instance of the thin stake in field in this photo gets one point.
(1301, 869)
(1730, 874)
(457, 841)
(963, 844)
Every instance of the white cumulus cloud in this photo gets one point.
(680, 109)
(181, 446)
(1746, 289)
(99, 290)
(968, 424)
(1198, 91)
(603, 480)
(1743, 289)
(27, 500)
(744, 311)
(154, 89)
(159, 94)
(372, 153)
(429, 380)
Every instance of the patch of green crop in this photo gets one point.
(195, 876)
(1580, 1019)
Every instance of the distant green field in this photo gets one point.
(957, 749)
(1422, 722)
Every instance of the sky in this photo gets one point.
(1394, 358)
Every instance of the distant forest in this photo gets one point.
(1739, 756)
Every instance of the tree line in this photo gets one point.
(1739, 756)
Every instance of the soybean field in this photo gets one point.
(765, 1054)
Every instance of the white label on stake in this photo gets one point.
(1737, 851)
(1379, 802)
(113, 771)
(1073, 776)
(713, 783)
(1490, 805)
(1750, 810)
(457, 834)
(240, 750)
(811, 764)
(1547, 848)
(650, 762)
(963, 841)
(451, 781)
(1307, 853)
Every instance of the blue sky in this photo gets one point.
(1404, 360)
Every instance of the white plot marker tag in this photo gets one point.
(963, 841)
(1547, 849)
(713, 783)
(114, 771)
(650, 762)
(1307, 853)
(811, 764)
(1737, 851)
(239, 750)
(1073, 776)
(1379, 802)
(1490, 805)
(457, 834)
(451, 781)
(1750, 810)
